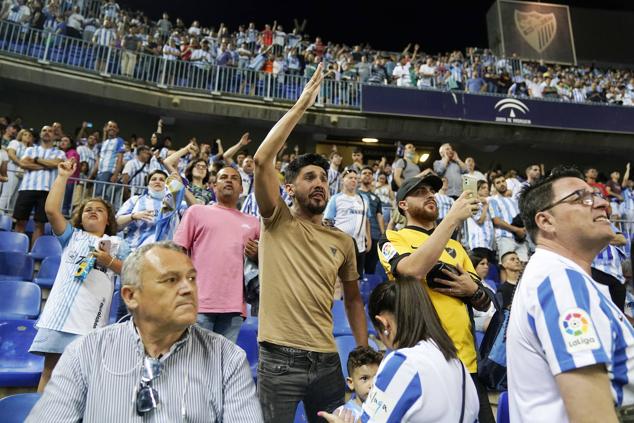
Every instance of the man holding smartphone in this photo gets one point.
(418, 248)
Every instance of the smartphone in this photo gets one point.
(469, 183)
(104, 245)
(88, 124)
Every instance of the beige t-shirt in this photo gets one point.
(299, 265)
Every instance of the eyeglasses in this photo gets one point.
(147, 398)
(587, 198)
(201, 166)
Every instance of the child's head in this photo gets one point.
(363, 363)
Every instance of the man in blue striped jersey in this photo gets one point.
(109, 162)
(40, 165)
(443, 200)
(503, 209)
(569, 348)
(172, 369)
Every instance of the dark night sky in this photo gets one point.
(438, 26)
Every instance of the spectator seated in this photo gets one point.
(46, 246)
(19, 300)
(18, 367)
(13, 241)
(15, 266)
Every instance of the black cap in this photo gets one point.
(411, 184)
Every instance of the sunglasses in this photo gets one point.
(147, 398)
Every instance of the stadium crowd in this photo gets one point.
(300, 221)
(282, 51)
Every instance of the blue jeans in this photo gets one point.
(287, 376)
(225, 324)
(106, 191)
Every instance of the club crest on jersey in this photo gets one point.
(451, 252)
(577, 331)
(388, 251)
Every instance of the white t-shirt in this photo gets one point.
(561, 321)
(75, 306)
(349, 214)
(402, 73)
(419, 385)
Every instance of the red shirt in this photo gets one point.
(267, 37)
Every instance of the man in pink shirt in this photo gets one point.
(217, 238)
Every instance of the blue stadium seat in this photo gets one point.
(503, 408)
(48, 229)
(248, 341)
(340, 320)
(15, 266)
(300, 414)
(373, 281)
(14, 241)
(479, 336)
(18, 367)
(16, 408)
(365, 289)
(494, 273)
(6, 223)
(19, 300)
(46, 246)
(48, 271)
(30, 227)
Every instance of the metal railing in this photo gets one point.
(54, 49)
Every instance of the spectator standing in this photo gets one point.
(405, 167)
(471, 169)
(334, 174)
(15, 173)
(452, 168)
(385, 193)
(480, 232)
(443, 201)
(104, 39)
(503, 210)
(349, 212)
(40, 165)
(92, 257)
(131, 45)
(87, 154)
(135, 171)
(401, 73)
(75, 23)
(569, 348)
(200, 376)
(220, 284)
(375, 217)
(295, 301)
(357, 160)
(607, 268)
(109, 162)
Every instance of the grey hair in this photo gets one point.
(131, 271)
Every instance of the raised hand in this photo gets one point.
(244, 140)
(463, 207)
(311, 90)
(66, 168)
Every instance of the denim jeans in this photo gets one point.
(225, 324)
(287, 376)
(108, 192)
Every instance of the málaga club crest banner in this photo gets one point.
(536, 31)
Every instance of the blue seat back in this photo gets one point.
(6, 223)
(339, 319)
(14, 241)
(18, 367)
(15, 408)
(19, 300)
(248, 340)
(300, 414)
(503, 408)
(15, 266)
(49, 267)
(46, 246)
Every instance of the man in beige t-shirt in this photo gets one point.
(300, 259)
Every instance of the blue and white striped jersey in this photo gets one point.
(419, 385)
(104, 36)
(349, 214)
(505, 208)
(561, 321)
(140, 232)
(134, 168)
(334, 181)
(19, 149)
(479, 236)
(108, 152)
(76, 306)
(87, 154)
(444, 203)
(40, 180)
(250, 206)
(609, 261)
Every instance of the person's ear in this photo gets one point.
(350, 383)
(403, 205)
(385, 324)
(129, 295)
(545, 222)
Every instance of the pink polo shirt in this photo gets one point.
(216, 236)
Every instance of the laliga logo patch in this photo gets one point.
(577, 331)
(388, 251)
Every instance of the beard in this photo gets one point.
(423, 214)
(313, 206)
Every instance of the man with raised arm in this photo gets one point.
(300, 260)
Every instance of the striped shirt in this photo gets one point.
(419, 385)
(505, 208)
(204, 378)
(334, 181)
(40, 180)
(479, 236)
(108, 153)
(87, 154)
(138, 172)
(349, 214)
(444, 203)
(76, 306)
(19, 14)
(250, 206)
(19, 149)
(609, 261)
(561, 321)
(140, 232)
(104, 36)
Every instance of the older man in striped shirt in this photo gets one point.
(158, 366)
